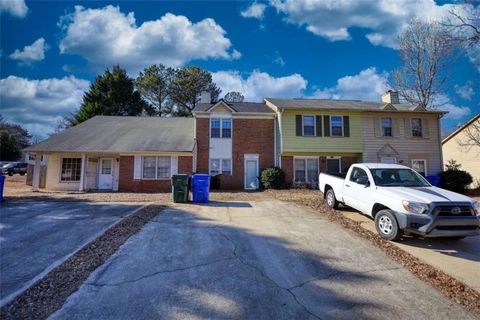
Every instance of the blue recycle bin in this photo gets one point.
(434, 180)
(2, 183)
(200, 188)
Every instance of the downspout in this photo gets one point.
(280, 128)
(439, 132)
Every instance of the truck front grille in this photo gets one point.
(454, 211)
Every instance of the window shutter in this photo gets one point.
(319, 125)
(174, 165)
(377, 125)
(408, 127)
(298, 118)
(326, 125)
(346, 126)
(396, 127)
(137, 167)
(425, 128)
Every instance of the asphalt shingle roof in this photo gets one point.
(247, 107)
(123, 134)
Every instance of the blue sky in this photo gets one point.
(52, 51)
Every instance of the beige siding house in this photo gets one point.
(458, 147)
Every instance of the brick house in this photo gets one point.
(131, 154)
(234, 141)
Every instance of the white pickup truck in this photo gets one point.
(402, 201)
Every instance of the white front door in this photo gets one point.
(105, 175)
(251, 174)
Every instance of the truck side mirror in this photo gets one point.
(363, 181)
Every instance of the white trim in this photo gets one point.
(156, 168)
(314, 125)
(99, 172)
(61, 166)
(220, 166)
(82, 173)
(421, 128)
(306, 167)
(220, 119)
(36, 172)
(250, 157)
(330, 124)
(424, 162)
(242, 115)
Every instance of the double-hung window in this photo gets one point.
(420, 165)
(308, 124)
(417, 130)
(221, 128)
(306, 170)
(336, 126)
(71, 168)
(220, 166)
(387, 127)
(156, 167)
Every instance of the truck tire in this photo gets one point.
(387, 225)
(331, 200)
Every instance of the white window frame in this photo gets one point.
(221, 128)
(306, 168)
(220, 160)
(339, 158)
(314, 125)
(425, 164)
(394, 158)
(156, 168)
(421, 128)
(61, 170)
(382, 127)
(342, 125)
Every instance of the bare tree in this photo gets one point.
(472, 135)
(463, 22)
(426, 55)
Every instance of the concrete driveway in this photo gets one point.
(256, 260)
(37, 236)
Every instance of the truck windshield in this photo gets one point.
(398, 178)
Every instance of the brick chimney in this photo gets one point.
(391, 97)
(206, 97)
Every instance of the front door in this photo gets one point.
(105, 176)
(251, 174)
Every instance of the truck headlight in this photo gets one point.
(415, 207)
(476, 208)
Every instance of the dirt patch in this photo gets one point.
(51, 292)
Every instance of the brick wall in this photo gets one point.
(249, 136)
(128, 184)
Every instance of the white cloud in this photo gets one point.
(31, 53)
(259, 85)
(384, 19)
(16, 8)
(39, 104)
(255, 10)
(454, 112)
(465, 91)
(367, 85)
(107, 36)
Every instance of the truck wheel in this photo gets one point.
(387, 226)
(331, 200)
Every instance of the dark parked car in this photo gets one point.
(15, 168)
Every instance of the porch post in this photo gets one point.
(36, 172)
(82, 174)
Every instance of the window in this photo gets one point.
(388, 177)
(420, 166)
(106, 166)
(358, 174)
(417, 127)
(220, 128)
(333, 165)
(387, 127)
(156, 167)
(215, 128)
(71, 168)
(308, 126)
(336, 126)
(223, 166)
(306, 170)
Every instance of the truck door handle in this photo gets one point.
(347, 185)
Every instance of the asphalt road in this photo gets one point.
(262, 260)
(36, 236)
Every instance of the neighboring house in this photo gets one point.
(459, 147)
(235, 141)
(317, 135)
(136, 154)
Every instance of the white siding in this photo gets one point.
(53, 174)
(407, 147)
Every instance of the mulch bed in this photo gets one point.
(51, 292)
(447, 285)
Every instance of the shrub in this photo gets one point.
(272, 178)
(455, 180)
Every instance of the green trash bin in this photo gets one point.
(180, 188)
